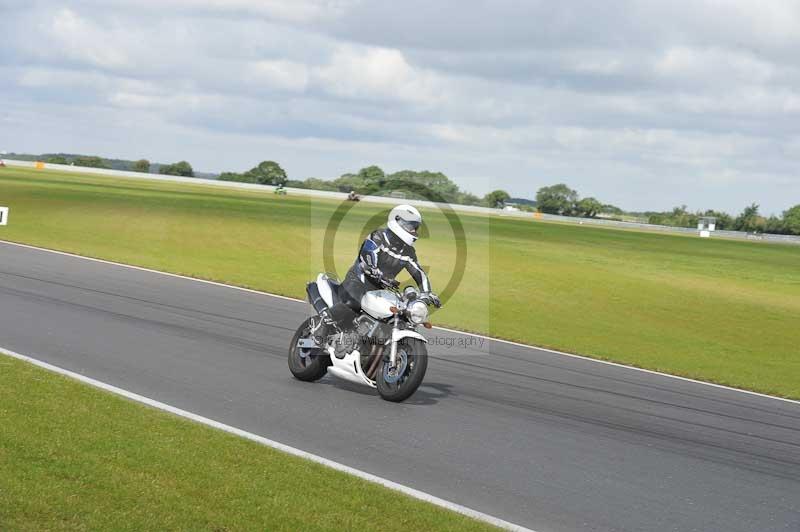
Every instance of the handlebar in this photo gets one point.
(393, 285)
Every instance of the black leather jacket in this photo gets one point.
(382, 256)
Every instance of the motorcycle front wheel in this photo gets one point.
(306, 364)
(400, 383)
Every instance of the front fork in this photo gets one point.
(393, 349)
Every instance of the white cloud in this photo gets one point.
(294, 11)
(78, 39)
(714, 65)
(279, 74)
(626, 99)
(378, 73)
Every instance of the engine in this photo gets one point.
(369, 327)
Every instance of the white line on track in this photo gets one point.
(421, 495)
(500, 340)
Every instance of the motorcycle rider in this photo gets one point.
(382, 256)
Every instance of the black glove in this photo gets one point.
(378, 278)
(431, 298)
(391, 283)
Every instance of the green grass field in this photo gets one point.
(721, 311)
(76, 458)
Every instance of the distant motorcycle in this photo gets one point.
(378, 347)
(353, 197)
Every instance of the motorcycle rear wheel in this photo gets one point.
(416, 355)
(310, 364)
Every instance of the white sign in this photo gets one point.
(3, 215)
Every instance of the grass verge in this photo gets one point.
(715, 310)
(76, 458)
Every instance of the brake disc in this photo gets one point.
(392, 375)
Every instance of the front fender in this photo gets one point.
(398, 335)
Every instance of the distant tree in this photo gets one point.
(749, 219)
(774, 225)
(368, 180)
(371, 174)
(234, 176)
(315, 183)
(142, 165)
(57, 159)
(588, 207)
(265, 173)
(268, 173)
(465, 198)
(181, 168)
(611, 209)
(791, 220)
(678, 212)
(373, 180)
(89, 161)
(677, 217)
(496, 199)
(724, 220)
(434, 186)
(556, 199)
(347, 182)
(681, 217)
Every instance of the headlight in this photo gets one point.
(418, 312)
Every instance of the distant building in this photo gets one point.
(706, 225)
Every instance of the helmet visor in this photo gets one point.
(409, 226)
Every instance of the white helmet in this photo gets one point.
(404, 221)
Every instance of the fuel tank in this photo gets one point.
(378, 302)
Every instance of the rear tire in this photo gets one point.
(414, 373)
(314, 364)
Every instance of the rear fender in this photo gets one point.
(325, 289)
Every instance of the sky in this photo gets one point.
(646, 105)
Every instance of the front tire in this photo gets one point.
(416, 364)
(306, 364)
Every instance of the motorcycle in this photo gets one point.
(378, 347)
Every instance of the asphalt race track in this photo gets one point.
(543, 440)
